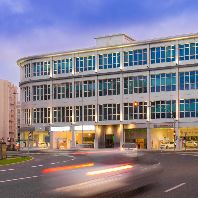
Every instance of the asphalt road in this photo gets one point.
(77, 174)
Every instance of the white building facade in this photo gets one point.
(120, 91)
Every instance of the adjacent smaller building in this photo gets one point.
(8, 110)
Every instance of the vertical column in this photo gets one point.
(73, 64)
(96, 62)
(121, 86)
(149, 101)
(148, 135)
(73, 143)
(121, 99)
(96, 104)
(52, 140)
(177, 100)
(177, 136)
(51, 90)
(96, 137)
(121, 60)
(121, 135)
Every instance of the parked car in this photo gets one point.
(167, 145)
(191, 144)
(130, 149)
(42, 145)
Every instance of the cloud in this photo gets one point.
(169, 26)
(44, 39)
(38, 41)
(15, 6)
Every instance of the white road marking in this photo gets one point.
(34, 166)
(4, 170)
(16, 179)
(52, 163)
(189, 154)
(40, 165)
(175, 187)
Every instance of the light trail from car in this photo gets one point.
(61, 168)
(109, 170)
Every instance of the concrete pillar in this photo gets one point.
(148, 136)
(177, 136)
(96, 137)
(73, 145)
(121, 135)
(52, 140)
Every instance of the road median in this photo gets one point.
(14, 160)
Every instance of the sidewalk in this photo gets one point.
(47, 150)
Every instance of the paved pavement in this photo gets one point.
(59, 174)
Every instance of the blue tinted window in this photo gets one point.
(162, 54)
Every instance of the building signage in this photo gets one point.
(164, 125)
(84, 127)
(65, 128)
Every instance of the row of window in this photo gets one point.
(163, 82)
(163, 109)
(41, 68)
(88, 89)
(108, 87)
(135, 84)
(132, 84)
(108, 61)
(162, 54)
(135, 57)
(63, 66)
(188, 80)
(188, 51)
(63, 90)
(108, 112)
(85, 63)
(41, 92)
(27, 69)
(189, 108)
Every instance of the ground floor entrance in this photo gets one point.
(109, 140)
(138, 136)
(85, 138)
(161, 136)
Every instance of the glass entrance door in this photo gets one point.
(109, 141)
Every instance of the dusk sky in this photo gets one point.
(29, 27)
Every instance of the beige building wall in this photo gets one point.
(8, 95)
